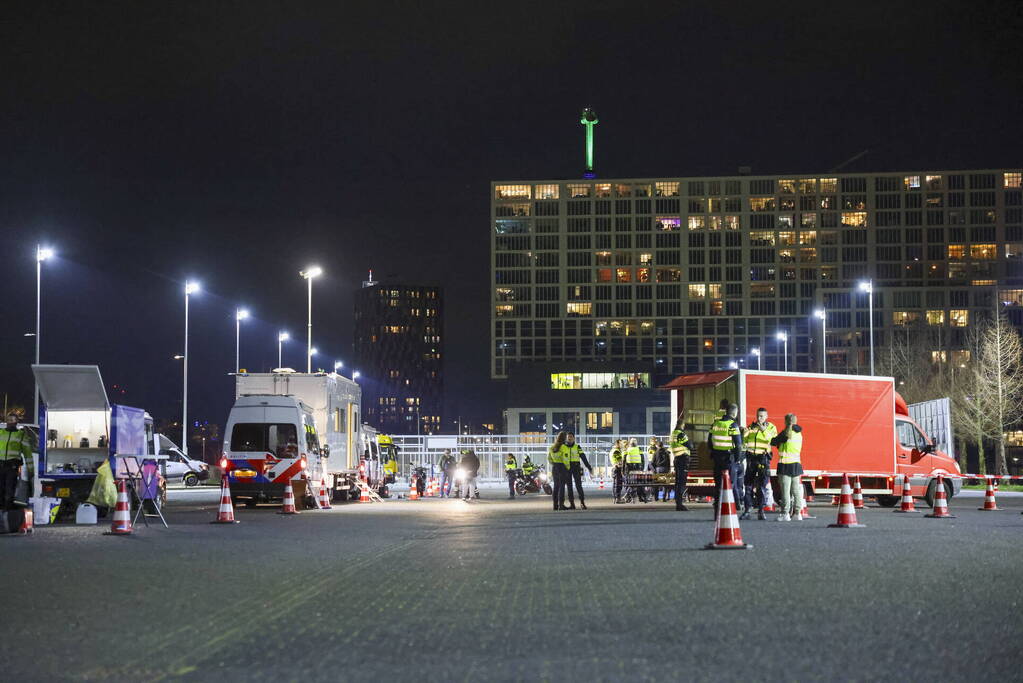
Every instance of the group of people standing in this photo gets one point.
(566, 461)
(745, 453)
(626, 456)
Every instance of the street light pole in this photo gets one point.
(239, 315)
(756, 352)
(42, 253)
(281, 338)
(190, 288)
(309, 274)
(868, 287)
(784, 337)
(822, 314)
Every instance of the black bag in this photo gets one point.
(22, 491)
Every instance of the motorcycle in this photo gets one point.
(533, 482)
(418, 480)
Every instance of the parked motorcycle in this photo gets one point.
(418, 480)
(534, 482)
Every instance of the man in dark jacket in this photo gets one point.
(661, 463)
(470, 464)
(447, 472)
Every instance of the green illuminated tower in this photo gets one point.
(589, 119)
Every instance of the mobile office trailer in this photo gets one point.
(79, 429)
(334, 403)
(851, 424)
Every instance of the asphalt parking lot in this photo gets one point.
(508, 590)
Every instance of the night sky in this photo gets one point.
(237, 143)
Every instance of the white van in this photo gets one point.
(271, 440)
(178, 467)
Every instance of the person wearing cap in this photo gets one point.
(576, 461)
(790, 470)
(680, 461)
(617, 463)
(15, 458)
(725, 441)
(447, 472)
(511, 466)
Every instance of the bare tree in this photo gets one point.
(1000, 370)
(971, 418)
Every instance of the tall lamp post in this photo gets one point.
(868, 287)
(823, 315)
(784, 337)
(310, 273)
(190, 288)
(42, 253)
(337, 366)
(312, 352)
(239, 315)
(281, 338)
(756, 352)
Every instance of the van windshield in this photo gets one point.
(260, 437)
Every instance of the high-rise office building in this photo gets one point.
(399, 355)
(672, 275)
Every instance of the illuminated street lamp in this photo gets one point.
(42, 254)
(309, 274)
(355, 375)
(281, 338)
(784, 337)
(733, 365)
(756, 352)
(337, 366)
(822, 314)
(868, 287)
(190, 288)
(239, 315)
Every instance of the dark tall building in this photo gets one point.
(398, 351)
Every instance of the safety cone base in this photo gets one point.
(226, 521)
(989, 509)
(845, 526)
(715, 546)
(292, 512)
(904, 511)
(945, 516)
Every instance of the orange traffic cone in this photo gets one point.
(940, 501)
(857, 493)
(364, 493)
(907, 497)
(989, 496)
(27, 521)
(727, 534)
(288, 506)
(413, 490)
(769, 505)
(846, 510)
(120, 525)
(225, 515)
(805, 512)
(835, 500)
(324, 497)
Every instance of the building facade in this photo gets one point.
(399, 355)
(690, 274)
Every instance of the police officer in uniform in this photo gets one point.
(634, 463)
(680, 460)
(725, 441)
(758, 463)
(557, 456)
(15, 453)
(576, 461)
(617, 463)
(510, 466)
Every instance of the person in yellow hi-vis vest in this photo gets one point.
(758, 463)
(558, 458)
(790, 470)
(15, 454)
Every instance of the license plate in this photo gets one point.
(64, 493)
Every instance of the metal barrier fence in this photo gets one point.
(491, 450)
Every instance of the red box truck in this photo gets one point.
(851, 424)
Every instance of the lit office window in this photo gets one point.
(933, 182)
(787, 186)
(602, 190)
(578, 309)
(697, 291)
(939, 356)
(1013, 180)
(956, 252)
(576, 190)
(697, 222)
(854, 219)
(911, 182)
(732, 222)
(762, 204)
(959, 317)
(545, 191)
(829, 185)
(807, 185)
(667, 223)
(623, 190)
(983, 251)
(511, 191)
(935, 317)
(666, 189)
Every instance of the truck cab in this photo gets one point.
(917, 457)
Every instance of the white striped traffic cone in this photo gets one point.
(727, 534)
(857, 494)
(120, 525)
(989, 496)
(907, 497)
(225, 515)
(288, 506)
(413, 491)
(846, 510)
(769, 505)
(27, 521)
(940, 501)
(364, 493)
(324, 496)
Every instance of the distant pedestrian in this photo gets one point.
(617, 464)
(790, 469)
(447, 471)
(470, 466)
(576, 461)
(511, 467)
(557, 457)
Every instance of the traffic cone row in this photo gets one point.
(907, 497)
(989, 496)
(288, 506)
(846, 509)
(727, 534)
(857, 493)
(225, 515)
(324, 496)
(120, 525)
(940, 510)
